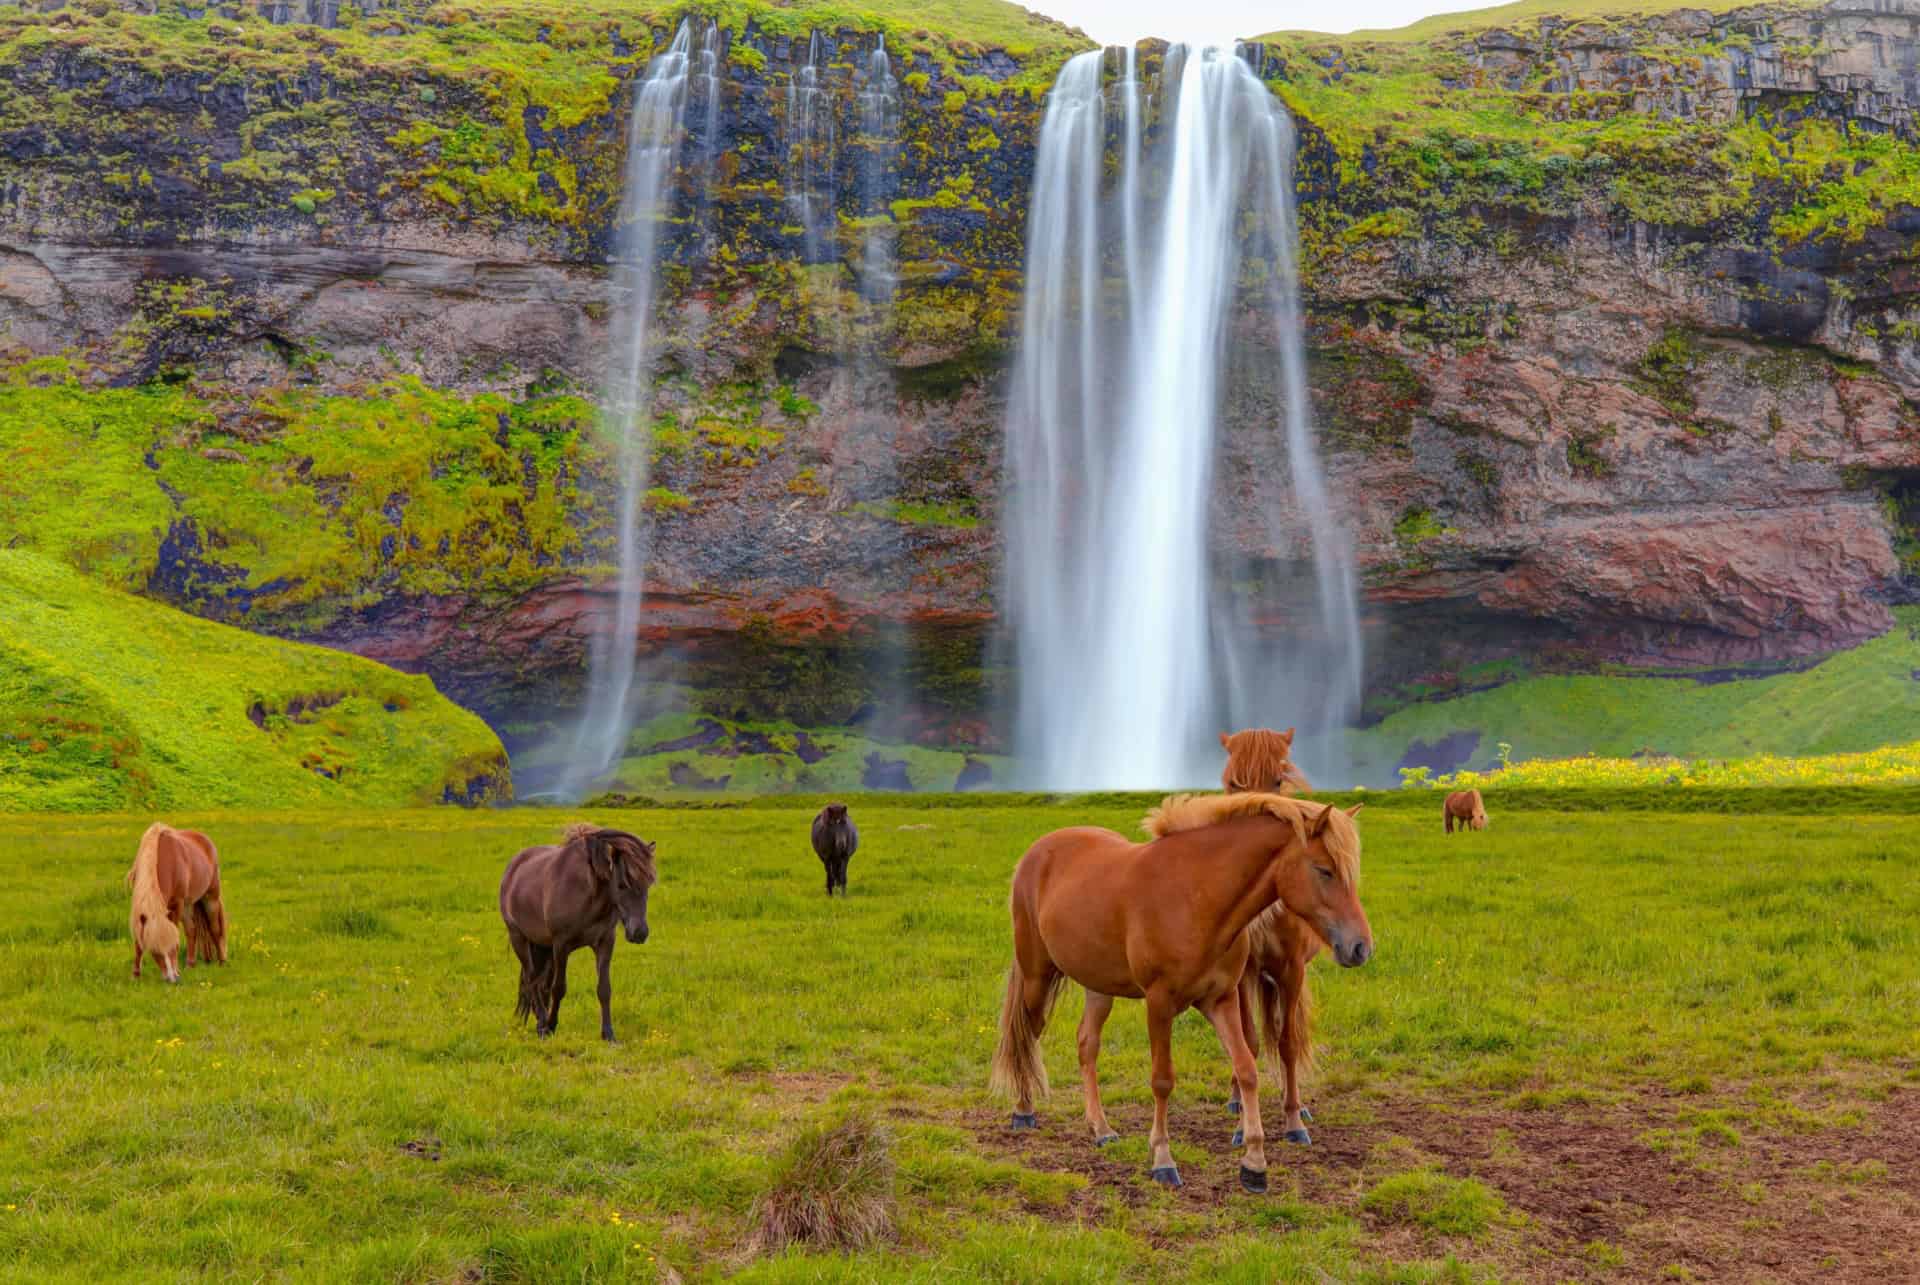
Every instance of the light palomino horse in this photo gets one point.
(1280, 945)
(1090, 906)
(1465, 807)
(175, 878)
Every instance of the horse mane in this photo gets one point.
(1256, 758)
(144, 877)
(1182, 812)
(631, 847)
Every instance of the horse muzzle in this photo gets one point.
(1352, 952)
(637, 936)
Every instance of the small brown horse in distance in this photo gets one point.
(1280, 944)
(175, 878)
(1465, 807)
(557, 898)
(1090, 906)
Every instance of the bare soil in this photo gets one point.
(1600, 1195)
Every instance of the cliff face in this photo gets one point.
(1611, 327)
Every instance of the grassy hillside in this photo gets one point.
(1590, 1048)
(108, 701)
(1858, 700)
(1528, 11)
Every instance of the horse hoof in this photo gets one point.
(1239, 1137)
(1167, 1176)
(1253, 1181)
(1023, 1121)
(1306, 1115)
(1106, 1140)
(1300, 1136)
(1233, 1106)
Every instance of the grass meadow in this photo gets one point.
(1597, 1046)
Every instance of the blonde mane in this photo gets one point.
(148, 901)
(1181, 812)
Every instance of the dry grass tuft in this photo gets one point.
(833, 1190)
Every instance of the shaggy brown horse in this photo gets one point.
(1465, 807)
(1087, 905)
(559, 897)
(175, 877)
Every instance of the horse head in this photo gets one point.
(162, 940)
(1324, 886)
(1260, 760)
(624, 864)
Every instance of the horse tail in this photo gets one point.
(529, 1001)
(1019, 1071)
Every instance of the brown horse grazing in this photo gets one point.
(559, 897)
(176, 876)
(1465, 807)
(1166, 921)
(1260, 761)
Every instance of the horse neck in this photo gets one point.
(1241, 864)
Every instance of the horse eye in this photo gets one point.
(1323, 872)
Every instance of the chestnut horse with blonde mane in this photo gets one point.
(1466, 807)
(176, 877)
(1280, 945)
(1089, 906)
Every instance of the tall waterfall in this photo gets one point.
(654, 134)
(1160, 225)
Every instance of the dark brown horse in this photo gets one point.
(175, 881)
(1166, 921)
(559, 897)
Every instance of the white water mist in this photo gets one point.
(1149, 212)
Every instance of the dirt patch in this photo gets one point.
(1604, 1193)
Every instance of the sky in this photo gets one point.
(1114, 22)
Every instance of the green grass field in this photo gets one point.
(1592, 1047)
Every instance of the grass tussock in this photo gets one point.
(833, 1189)
(1428, 1198)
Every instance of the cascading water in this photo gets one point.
(654, 133)
(810, 136)
(879, 102)
(1131, 651)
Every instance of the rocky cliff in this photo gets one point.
(303, 308)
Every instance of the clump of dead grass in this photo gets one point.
(833, 1189)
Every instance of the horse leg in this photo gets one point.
(1091, 1020)
(1160, 1015)
(557, 987)
(1245, 992)
(603, 960)
(1225, 1015)
(138, 951)
(540, 985)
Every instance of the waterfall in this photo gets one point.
(810, 145)
(879, 102)
(1132, 648)
(654, 132)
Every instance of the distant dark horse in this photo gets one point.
(834, 840)
(558, 898)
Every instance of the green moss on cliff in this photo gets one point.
(111, 702)
(295, 503)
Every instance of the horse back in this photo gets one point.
(545, 896)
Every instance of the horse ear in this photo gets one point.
(1226, 742)
(1287, 736)
(1354, 811)
(1318, 826)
